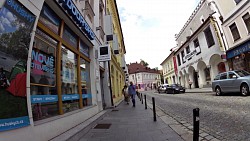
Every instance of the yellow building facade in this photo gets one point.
(168, 70)
(117, 63)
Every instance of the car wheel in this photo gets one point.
(184, 91)
(244, 90)
(217, 91)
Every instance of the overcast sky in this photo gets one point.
(149, 27)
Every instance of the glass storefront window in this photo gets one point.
(84, 49)
(70, 94)
(85, 83)
(42, 77)
(49, 19)
(44, 102)
(69, 36)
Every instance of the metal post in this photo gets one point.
(153, 100)
(196, 122)
(145, 102)
(141, 99)
(139, 95)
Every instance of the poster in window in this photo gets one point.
(16, 24)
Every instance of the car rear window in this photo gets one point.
(217, 77)
(223, 76)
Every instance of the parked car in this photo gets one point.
(162, 88)
(232, 81)
(175, 88)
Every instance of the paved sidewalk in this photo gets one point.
(130, 124)
(199, 90)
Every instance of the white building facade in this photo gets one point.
(201, 48)
(143, 77)
(236, 25)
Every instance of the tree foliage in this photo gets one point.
(144, 63)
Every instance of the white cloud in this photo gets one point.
(149, 27)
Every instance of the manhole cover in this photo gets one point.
(102, 126)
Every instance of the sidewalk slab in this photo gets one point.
(131, 124)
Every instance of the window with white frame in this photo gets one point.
(246, 19)
(234, 31)
(197, 46)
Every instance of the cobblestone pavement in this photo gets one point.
(226, 118)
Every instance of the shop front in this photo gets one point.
(239, 57)
(45, 76)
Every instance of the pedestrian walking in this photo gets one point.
(132, 92)
(125, 94)
(190, 83)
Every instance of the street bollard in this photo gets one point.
(196, 122)
(145, 102)
(139, 95)
(153, 100)
(141, 99)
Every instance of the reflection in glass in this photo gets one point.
(85, 82)
(49, 18)
(43, 62)
(42, 77)
(43, 110)
(69, 79)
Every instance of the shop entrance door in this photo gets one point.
(196, 83)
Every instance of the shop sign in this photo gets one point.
(77, 17)
(238, 50)
(190, 64)
(104, 53)
(54, 98)
(190, 55)
(43, 98)
(42, 62)
(87, 96)
(66, 97)
(14, 123)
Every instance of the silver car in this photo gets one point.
(232, 81)
(162, 88)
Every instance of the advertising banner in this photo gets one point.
(16, 23)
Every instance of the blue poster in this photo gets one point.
(15, 27)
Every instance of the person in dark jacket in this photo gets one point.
(132, 92)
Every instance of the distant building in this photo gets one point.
(168, 72)
(144, 77)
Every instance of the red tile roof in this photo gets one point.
(137, 68)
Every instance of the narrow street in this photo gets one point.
(224, 117)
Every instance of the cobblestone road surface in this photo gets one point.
(224, 117)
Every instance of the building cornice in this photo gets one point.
(206, 22)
